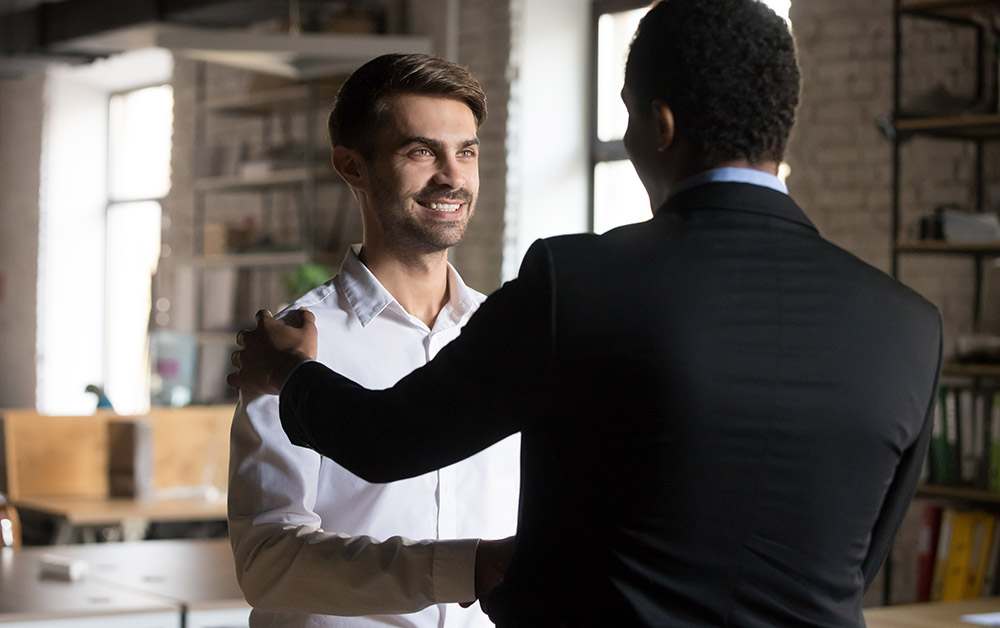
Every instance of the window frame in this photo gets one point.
(602, 151)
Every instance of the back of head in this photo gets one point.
(364, 99)
(727, 70)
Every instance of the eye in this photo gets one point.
(467, 153)
(422, 152)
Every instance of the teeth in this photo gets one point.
(445, 207)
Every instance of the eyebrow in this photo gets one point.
(435, 144)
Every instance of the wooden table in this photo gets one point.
(939, 615)
(132, 516)
(195, 577)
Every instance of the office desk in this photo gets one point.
(940, 615)
(197, 573)
(196, 577)
(28, 601)
(133, 516)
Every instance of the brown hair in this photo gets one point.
(364, 99)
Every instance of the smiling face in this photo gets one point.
(424, 174)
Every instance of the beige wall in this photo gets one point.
(20, 158)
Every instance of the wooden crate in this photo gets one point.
(53, 455)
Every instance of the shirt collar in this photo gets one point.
(731, 175)
(369, 298)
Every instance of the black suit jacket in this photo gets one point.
(723, 418)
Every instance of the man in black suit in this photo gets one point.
(723, 415)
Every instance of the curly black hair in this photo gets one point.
(727, 70)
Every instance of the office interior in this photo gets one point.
(164, 173)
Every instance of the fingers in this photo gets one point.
(262, 314)
(299, 318)
(241, 337)
(234, 358)
(233, 379)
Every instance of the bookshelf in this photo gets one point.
(960, 484)
(972, 496)
(974, 127)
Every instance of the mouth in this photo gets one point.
(444, 207)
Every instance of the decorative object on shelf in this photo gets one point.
(172, 357)
(305, 278)
(989, 304)
(978, 348)
(965, 226)
(103, 403)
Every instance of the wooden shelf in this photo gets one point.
(247, 260)
(277, 178)
(970, 370)
(226, 338)
(944, 247)
(976, 495)
(963, 10)
(966, 126)
(278, 99)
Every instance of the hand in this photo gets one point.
(272, 351)
(492, 559)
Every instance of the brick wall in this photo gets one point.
(842, 163)
(484, 46)
(20, 158)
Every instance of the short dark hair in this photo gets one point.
(364, 98)
(727, 70)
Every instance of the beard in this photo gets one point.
(406, 233)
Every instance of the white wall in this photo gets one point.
(548, 129)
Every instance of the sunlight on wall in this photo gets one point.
(73, 202)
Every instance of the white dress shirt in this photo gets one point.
(311, 539)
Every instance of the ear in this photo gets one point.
(350, 166)
(663, 125)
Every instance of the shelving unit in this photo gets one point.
(976, 128)
(227, 279)
(958, 494)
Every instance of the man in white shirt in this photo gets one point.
(316, 546)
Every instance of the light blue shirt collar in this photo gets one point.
(731, 175)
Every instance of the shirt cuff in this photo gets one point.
(292, 372)
(454, 570)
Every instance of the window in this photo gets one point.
(140, 124)
(99, 185)
(618, 197)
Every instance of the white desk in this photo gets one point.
(28, 601)
(194, 577)
(198, 574)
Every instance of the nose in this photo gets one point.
(450, 172)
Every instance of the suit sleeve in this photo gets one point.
(900, 493)
(286, 562)
(487, 384)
